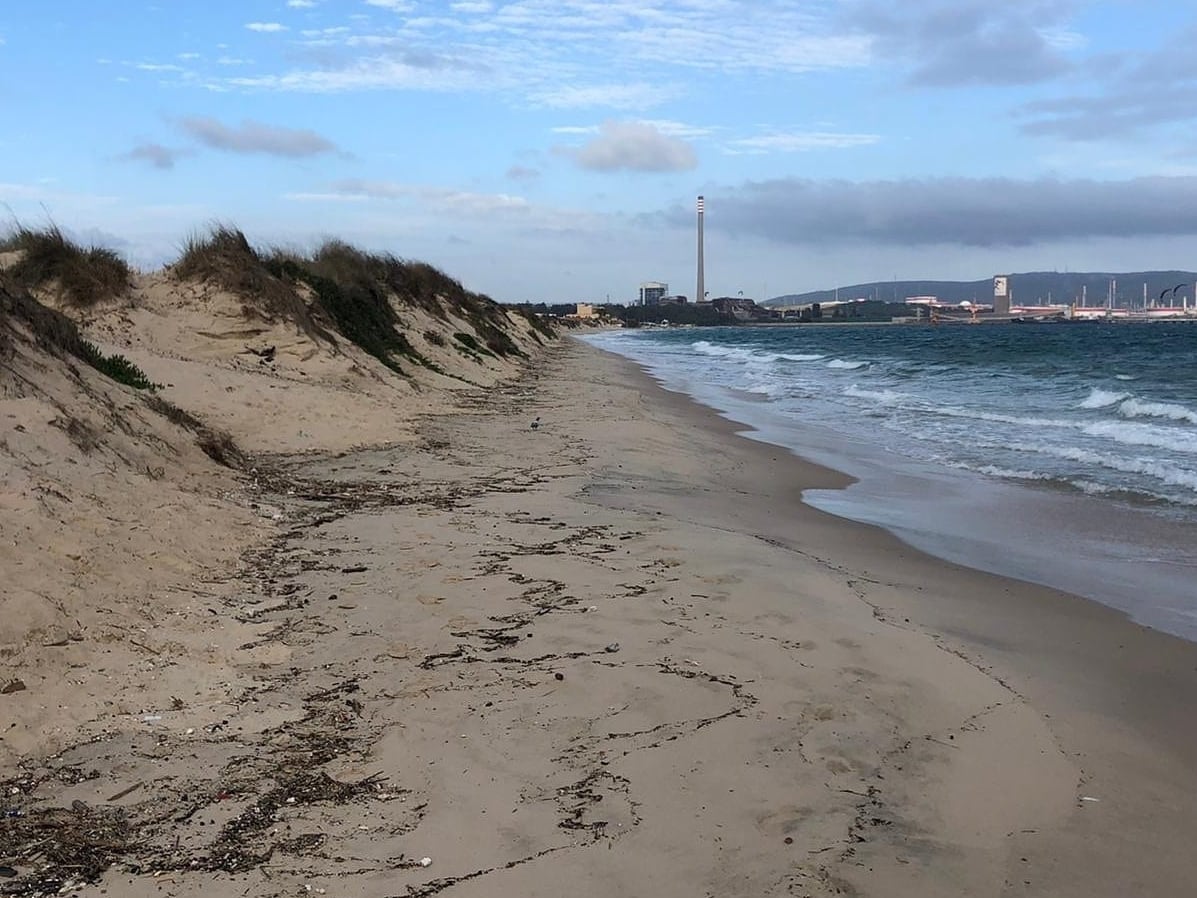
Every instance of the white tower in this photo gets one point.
(701, 295)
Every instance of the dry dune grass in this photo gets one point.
(83, 276)
(341, 290)
(225, 257)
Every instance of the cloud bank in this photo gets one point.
(968, 212)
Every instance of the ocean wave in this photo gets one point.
(1135, 408)
(743, 354)
(809, 357)
(1166, 473)
(770, 388)
(1082, 484)
(846, 365)
(1099, 398)
(1004, 473)
(1131, 434)
(951, 411)
(883, 397)
(705, 347)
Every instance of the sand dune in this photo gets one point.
(115, 518)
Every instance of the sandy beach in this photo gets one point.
(610, 655)
(378, 593)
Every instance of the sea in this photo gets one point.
(1058, 453)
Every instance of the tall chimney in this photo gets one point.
(701, 286)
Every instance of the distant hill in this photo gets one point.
(1030, 288)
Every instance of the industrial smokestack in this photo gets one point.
(701, 295)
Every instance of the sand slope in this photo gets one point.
(114, 518)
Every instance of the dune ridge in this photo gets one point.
(121, 505)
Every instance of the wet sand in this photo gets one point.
(616, 655)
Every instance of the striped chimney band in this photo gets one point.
(700, 205)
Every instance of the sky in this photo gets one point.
(553, 151)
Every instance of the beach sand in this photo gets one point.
(612, 655)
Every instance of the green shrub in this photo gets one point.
(116, 367)
(470, 342)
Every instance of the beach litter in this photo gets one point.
(129, 791)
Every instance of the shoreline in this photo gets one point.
(617, 651)
(1086, 667)
(1126, 557)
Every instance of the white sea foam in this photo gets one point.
(809, 357)
(1102, 399)
(1170, 474)
(764, 387)
(1133, 434)
(881, 397)
(1135, 408)
(723, 352)
(1004, 473)
(846, 365)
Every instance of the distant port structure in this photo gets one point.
(1033, 296)
(652, 292)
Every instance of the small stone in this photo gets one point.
(559, 676)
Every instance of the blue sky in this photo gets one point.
(553, 150)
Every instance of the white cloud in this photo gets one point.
(266, 27)
(443, 198)
(370, 74)
(392, 5)
(332, 31)
(666, 126)
(301, 4)
(627, 55)
(800, 141)
(325, 197)
(632, 146)
(38, 196)
(613, 96)
(467, 208)
(678, 129)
